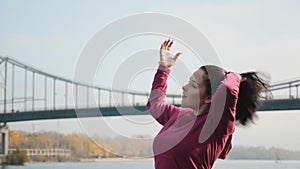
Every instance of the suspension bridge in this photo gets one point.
(28, 93)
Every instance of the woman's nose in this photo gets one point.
(183, 87)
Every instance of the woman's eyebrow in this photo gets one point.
(192, 80)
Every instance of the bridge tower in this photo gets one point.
(4, 128)
(5, 139)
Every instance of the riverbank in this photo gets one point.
(113, 159)
(220, 164)
(3, 159)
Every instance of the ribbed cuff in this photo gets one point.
(164, 68)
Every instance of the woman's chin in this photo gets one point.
(182, 104)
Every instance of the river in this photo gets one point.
(148, 164)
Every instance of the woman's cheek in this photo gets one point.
(195, 99)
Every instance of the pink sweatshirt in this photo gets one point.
(187, 141)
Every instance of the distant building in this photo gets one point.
(47, 154)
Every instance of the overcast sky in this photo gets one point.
(261, 35)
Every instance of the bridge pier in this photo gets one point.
(5, 139)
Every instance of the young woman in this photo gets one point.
(200, 132)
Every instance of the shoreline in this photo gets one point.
(114, 159)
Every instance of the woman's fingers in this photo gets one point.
(166, 57)
(177, 55)
(169, 44)
(164, 45)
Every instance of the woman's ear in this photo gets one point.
(207, 100)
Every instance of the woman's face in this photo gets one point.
(194, 92)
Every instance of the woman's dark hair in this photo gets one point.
(250, 96)
(250, 92)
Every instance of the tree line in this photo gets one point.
(82, 146)
(262, 153)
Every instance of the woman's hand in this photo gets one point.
(242, 78)
(166, 57)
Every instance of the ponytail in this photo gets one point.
(250, 92)
(250, 96)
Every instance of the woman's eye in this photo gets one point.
(193, 84)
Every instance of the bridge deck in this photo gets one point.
(271, 105)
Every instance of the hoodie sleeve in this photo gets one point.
(221, 117)
(156, 106)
